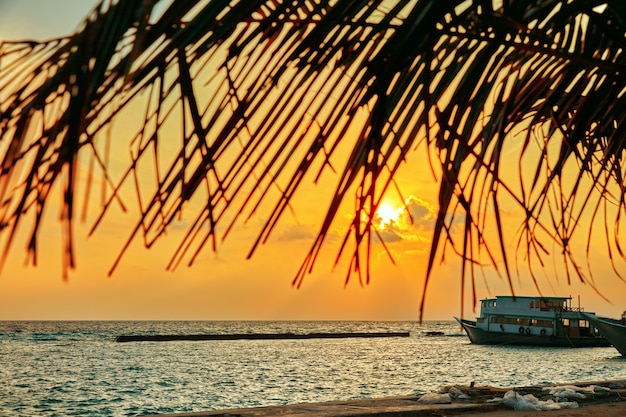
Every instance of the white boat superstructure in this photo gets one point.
(532, 320)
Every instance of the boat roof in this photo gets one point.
(527, 297)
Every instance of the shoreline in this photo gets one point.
(608, 400)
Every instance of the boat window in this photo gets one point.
(547, 305)
(583, 323)
(519, 321)
(566, 322)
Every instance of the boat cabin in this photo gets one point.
(543, 316)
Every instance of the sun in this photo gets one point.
(387, 214)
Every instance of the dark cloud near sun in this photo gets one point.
(420, 213)
(414, 223)
(388, 235)
(297, 232)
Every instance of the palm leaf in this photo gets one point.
(287, 83)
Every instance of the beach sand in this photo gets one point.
(613, 409)
(607, 402)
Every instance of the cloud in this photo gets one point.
(388, 235)
(417, 253)
(419, 213)
(414, 222)
(297, 232)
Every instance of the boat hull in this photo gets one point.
(482, 337)
(613, 330)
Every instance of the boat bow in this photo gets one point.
(613, 330)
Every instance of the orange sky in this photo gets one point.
(226, 286)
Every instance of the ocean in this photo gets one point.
(76, 368)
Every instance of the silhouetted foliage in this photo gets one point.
(268, 91)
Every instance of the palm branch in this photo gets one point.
(268, 91)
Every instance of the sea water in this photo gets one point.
(77, 368)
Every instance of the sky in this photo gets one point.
(227, 286)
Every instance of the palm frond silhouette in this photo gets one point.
(267, 92)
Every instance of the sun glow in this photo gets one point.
(387, 214)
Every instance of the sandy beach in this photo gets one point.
(607, 399)
(614, 409)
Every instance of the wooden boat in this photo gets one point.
(613, 330)
(532, 321)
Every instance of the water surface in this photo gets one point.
(77, 368)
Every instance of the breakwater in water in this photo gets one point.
(255, 336)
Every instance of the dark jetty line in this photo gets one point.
(252, 336)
